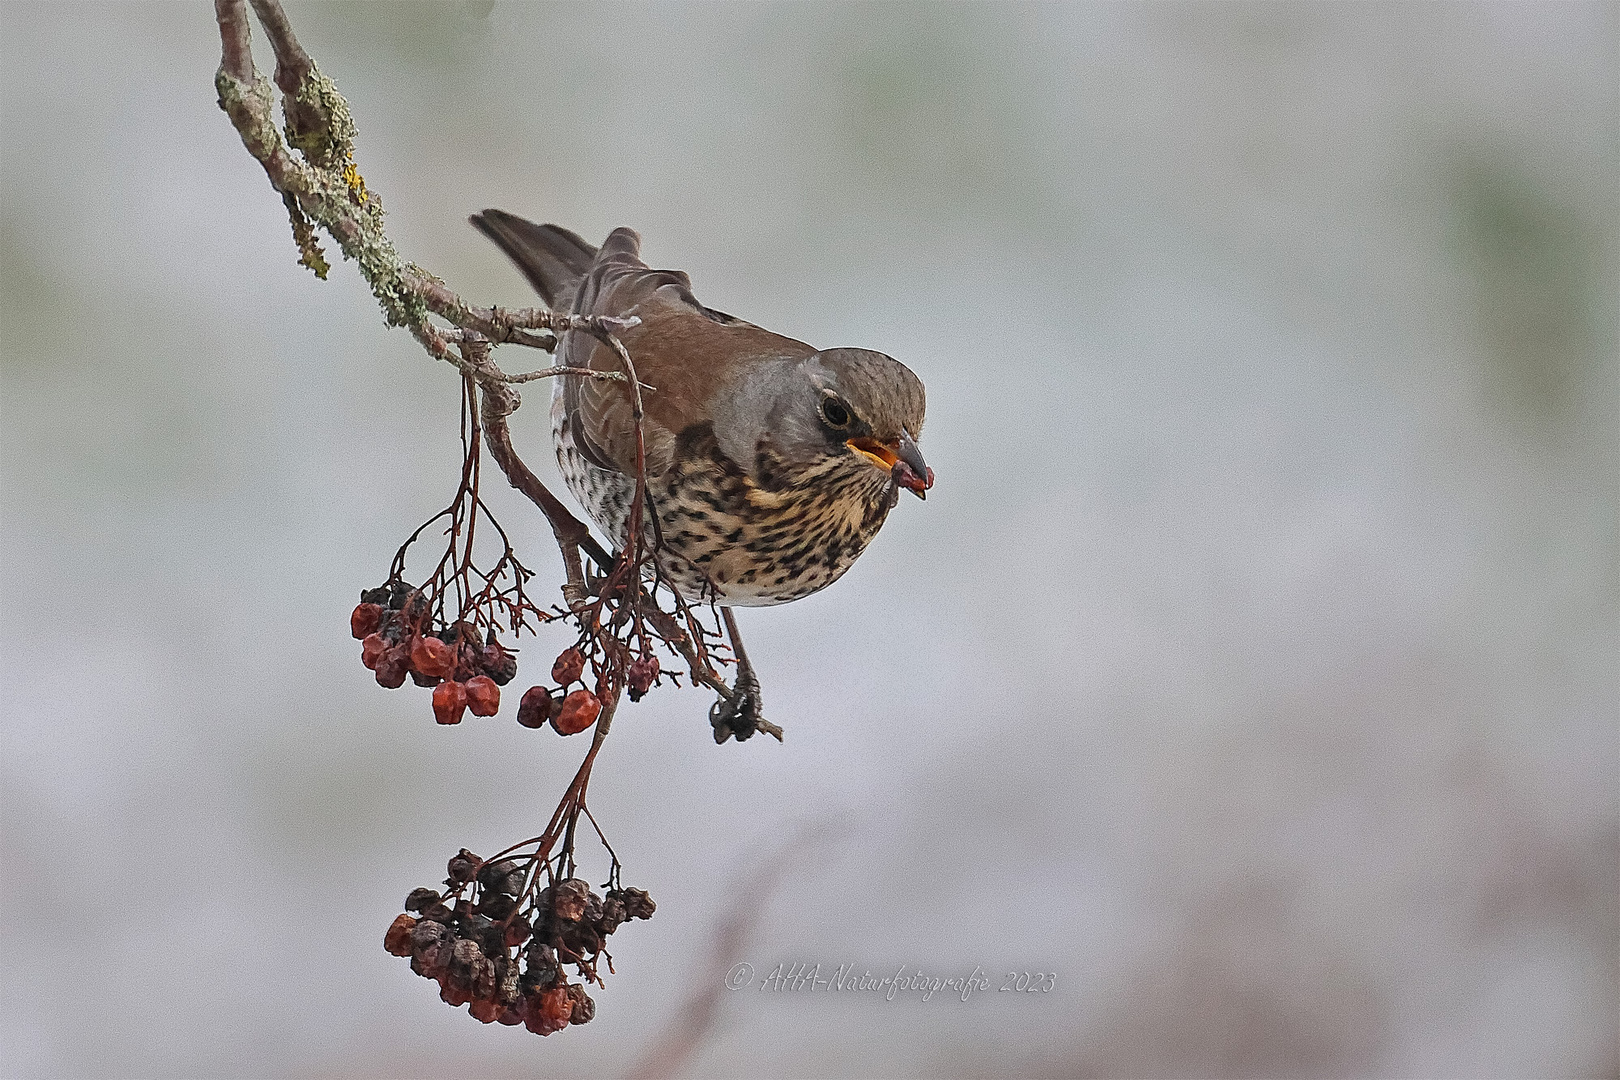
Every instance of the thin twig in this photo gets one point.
(293, 64)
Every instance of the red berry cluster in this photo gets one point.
(568, 713)
(503, 958)
(398, 638)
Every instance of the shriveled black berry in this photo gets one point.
(613, 916)
(637, 904)
(584, 1008)
(415, 606)
(507, 992)
(569, 898)
(507, 876)
(497, 905)
(472, 926)
(484, 978)
(431, 943)
(463, 866)
(420, 899)
(500, 665)
(581, 939)
(540, 969)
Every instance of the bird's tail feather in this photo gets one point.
(552, 258)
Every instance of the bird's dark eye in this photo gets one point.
(835, 412)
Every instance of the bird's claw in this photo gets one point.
(741, 713)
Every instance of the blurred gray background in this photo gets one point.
(1252, 666)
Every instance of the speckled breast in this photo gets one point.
(727, 538)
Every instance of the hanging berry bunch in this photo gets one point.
(505, 934)
(398, 638)
(445, 633)
(502, 948)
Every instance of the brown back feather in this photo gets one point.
(688, 352)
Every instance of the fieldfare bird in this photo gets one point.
(770, 464)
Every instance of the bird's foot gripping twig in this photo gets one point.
(740, 714)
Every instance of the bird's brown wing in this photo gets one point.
(687, 352)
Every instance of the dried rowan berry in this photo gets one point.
(426, 933)
(507, 876)
(507, 992)
(430, 949)
(569, 899)
(581, 939)
(486, 1010)
(637, 904)
(449, 702)
(467, 651)
(483, 696)
(516, 933)
(643, 673)
(536, 707)
(372, 650)
(554, 1008)
(542, 970)
(365, 620)
(462, 955)
(472, 926)
(425, 680)
(431, 656)
(583, 1008)
(570, 665)
(378, 596)
(496, 662)
(497, 906)
(414, 606)
(398, 938)
(420, 899)
(613, 915)
(536, 1020)
(463, 865)
(579, 711)
(393, 629)
(439, 912)
(392, 669)
(484, 978)
(429, 961)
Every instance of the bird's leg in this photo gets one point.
(573, 590)
(740, 714)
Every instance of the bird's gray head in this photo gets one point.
(852, 412)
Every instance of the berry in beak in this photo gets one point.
(899, 458)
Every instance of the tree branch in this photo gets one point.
(235, 39)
